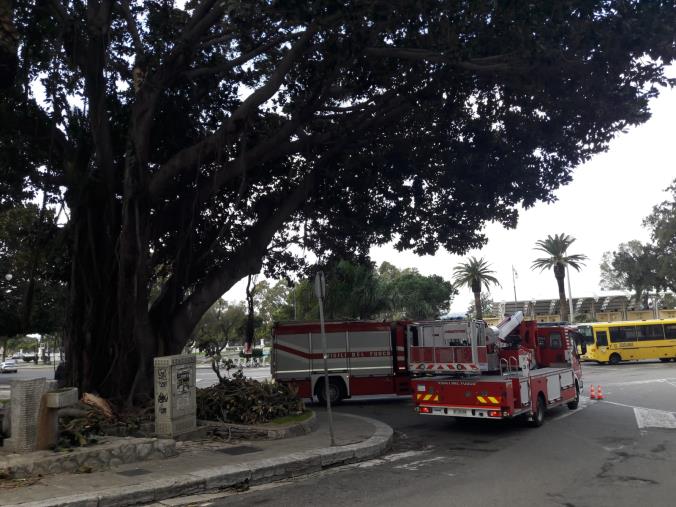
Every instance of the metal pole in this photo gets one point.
(514, 285)
(295, 316)
(320, 290)
(570, 298)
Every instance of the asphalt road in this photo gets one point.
(616, 452)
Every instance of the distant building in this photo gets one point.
(607, 306)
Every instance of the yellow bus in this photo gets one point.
(612, 342)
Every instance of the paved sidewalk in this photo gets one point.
(210, 465)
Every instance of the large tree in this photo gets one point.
(662, 225)
(558, 259)
(646, 267)
(192, 146)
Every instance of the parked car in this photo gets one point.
(9, 366)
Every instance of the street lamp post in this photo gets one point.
(570, 298)
(320, 292)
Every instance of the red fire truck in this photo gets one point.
(515, 369)
(364, 358)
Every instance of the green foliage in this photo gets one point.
(32, 254)
(222, 325)
(488, 307)
(610, 278)
(475, 273)
(644, 268)
(556, 247)
(359, 291)
(246, 401)
(415, 296)
(662, 224)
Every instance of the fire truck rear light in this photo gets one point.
(494, 413)
(425, 410)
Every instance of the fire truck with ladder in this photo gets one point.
(471, 370)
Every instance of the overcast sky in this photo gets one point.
(603, 206)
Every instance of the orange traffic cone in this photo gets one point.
(592, 394)
(599, 396)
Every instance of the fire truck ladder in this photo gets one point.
(509, 370)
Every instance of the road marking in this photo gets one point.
(387, 459)
(415, 465)
(651, 418)
(668, 380)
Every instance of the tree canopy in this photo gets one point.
(195, 145)
(645, 267)
(360, 291)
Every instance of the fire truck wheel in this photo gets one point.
(539, 416)
(614, 358)
(574, 404)
(335, 391)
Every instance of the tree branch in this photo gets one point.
(206, 150)
(131, 26)
(245, 260)
(235, 62)
(495, 63)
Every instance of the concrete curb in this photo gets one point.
(259, 472)
(267, 431)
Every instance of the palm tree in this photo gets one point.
(557, 247)
(475, 273)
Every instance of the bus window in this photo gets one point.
(623, 334)
(651, 332)
(670, 331)
(601, 338)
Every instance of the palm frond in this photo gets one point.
(474, 271)
(556, 247)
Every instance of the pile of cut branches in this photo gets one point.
(94, 416)
(245, 401)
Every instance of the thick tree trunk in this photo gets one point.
(477, 305)
(560, 274)
(249, 333)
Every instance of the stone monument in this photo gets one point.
(25, 401)
(175, 403)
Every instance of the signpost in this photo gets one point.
(320, 292)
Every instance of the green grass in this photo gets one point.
(288, 419)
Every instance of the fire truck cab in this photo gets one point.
(514, 369)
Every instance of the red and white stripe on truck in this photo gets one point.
(364, 358)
